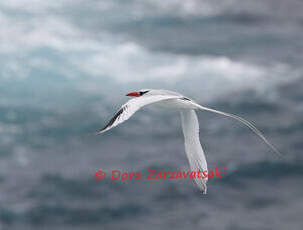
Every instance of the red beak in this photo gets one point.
(133, 94)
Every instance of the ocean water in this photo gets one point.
(65, 67)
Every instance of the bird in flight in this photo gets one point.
(190, 124)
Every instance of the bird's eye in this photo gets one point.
(142, 92)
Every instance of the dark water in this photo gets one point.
(64, 68)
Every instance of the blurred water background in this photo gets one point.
(65, 66)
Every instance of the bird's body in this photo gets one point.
(190, 125)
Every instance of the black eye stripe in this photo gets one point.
(144, 92)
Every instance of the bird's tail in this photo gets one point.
(247, 123)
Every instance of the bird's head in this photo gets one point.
(139, 93)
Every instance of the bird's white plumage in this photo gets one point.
(193, 149)
(133, 105)
(190, 124)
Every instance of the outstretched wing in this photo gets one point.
(130, 107)
(193, 149)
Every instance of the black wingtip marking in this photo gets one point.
(112, 121)
(185, 99)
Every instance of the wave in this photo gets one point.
(55, 46)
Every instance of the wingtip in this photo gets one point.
(204, 191)
(98, 132)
